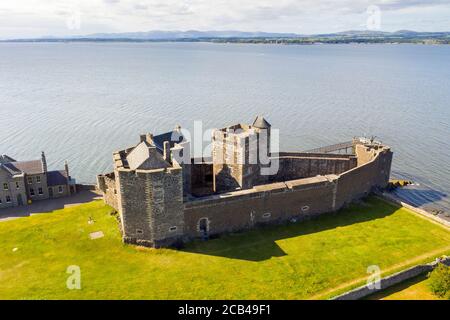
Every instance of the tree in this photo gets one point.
(440, 281)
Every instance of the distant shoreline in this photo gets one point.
(239, 41)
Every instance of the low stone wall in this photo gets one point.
(392, 280)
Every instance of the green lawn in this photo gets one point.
(305, 260)
(413, 289)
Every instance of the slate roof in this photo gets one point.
(28, 167)
(146, 157)
(261, 123)
(5, 159)
(57, 178)
(172, 136)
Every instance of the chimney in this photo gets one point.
(66, 168)
(143, 137)
(149, 138)
(44, 162)
(178, 128)
(167, 151)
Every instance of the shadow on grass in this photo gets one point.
(397, 288)
(49, 205)
(260, 244)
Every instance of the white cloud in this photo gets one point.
(32, 18)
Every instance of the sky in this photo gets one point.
(37, 18)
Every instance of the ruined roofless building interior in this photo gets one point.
(163, 200)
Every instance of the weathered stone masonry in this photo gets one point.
(162, 201)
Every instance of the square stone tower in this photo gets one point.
(149, 188)
(238, 154)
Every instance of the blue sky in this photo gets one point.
(35, 18)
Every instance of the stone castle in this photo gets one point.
(165, 197)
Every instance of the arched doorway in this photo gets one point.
(203, 227)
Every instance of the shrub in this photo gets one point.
(440, 281)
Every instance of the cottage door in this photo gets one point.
(50, 192)
(19, 200)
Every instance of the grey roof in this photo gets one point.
(57, 178)
(146, 157)
(5, 159)
(261, 123)
(172, 136)
(28, 167)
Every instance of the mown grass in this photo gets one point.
(294, 261)
(414, 289)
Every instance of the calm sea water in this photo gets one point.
(82, 101)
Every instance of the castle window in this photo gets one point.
(60, 189)
(30, 180)
(267, 215)
(40, 191)
(305, 208)
(32, 192)
(5, 186)
(38, 179)
(173, 229)
(8, 199)
(139, 231)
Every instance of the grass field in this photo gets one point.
(413, 289)
(312, 259)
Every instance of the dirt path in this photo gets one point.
(395, 267)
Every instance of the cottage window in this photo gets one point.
(30, 180)
(40, 191)
(5, 186)
(139, 231)
(17, 185)
(305, 208)
(0, 200)
(60, 189)
(38, 179)
(267, 215)
(32, 192)
(8, 199)
(173, 229)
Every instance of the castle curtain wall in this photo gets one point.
(298, 199)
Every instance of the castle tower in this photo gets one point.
(150, 194)
(238, 157)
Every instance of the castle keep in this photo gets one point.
(163, 198)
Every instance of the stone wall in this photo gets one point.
(299, 199)
(107, 186)
(151, 206)
(245, 209)
(14, 193)
(298, 166)
(392, 280)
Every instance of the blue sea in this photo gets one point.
(82, 101)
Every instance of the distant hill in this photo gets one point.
(358, 36)
(190, 34)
